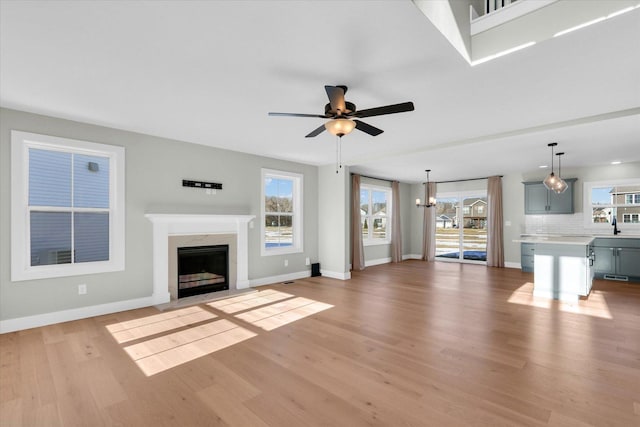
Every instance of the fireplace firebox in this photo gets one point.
(202, 269)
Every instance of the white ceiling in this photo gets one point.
(208, 72)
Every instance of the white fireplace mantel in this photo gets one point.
(165, 225)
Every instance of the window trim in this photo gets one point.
(21, 268)
(369, 241)
(588, 205)
(297, 218)
(635, 198)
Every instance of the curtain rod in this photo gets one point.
(462, 180)
(437, 182)
(374, 177)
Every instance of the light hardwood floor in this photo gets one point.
(410, 344)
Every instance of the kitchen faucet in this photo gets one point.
(614, 223)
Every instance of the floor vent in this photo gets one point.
(616, 277)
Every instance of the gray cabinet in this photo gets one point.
(538, 200)
(604, 260)
(628, 262)
(527, 252)
(617, 258)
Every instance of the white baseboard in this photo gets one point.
(369, 263)
(513, 265)
(336, 275)
(280, 278)
(28, 322)
(379, 261)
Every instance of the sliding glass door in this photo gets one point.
(461, 226)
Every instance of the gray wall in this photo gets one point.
(155, 168)
(333, 219)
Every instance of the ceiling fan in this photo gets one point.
(342, 114)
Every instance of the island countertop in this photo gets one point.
(557, 240)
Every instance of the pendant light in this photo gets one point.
(561, 186)
(431, 200)
(551, 180)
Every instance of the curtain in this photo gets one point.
(495, 242)
(429, 226)
(357, 250)
(396, 232)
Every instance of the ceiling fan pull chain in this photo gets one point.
(340, 151)
(337, 157)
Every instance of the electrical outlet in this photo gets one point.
(307, 261)
(286, 263)
(82, 289)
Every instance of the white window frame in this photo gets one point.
(635, 198)
(461, 196)
(370, 241)
(297, 218)
(588, 205)
(21, 268)
(631, 218)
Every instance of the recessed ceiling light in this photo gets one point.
(543, 166)
(616, 162)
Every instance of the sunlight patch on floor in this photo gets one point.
(158, 323)
(246, 302)
(279, 314)
(595, 305)
(181, 335)
(160, 354)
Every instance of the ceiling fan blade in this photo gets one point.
(336, 97)
(387, 109)
(367, 128)
(316, 132)
(299, 115)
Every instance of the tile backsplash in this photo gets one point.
(555, 224)
(570, 225)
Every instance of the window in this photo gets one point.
(375, 214)
(281, 212)
(606, 201)
(461, 237)
(631, 199)
(67, 207)
(630, 218)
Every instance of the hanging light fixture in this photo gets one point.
(561, 185)
(551, 180)
(431, 199)
(340, 127)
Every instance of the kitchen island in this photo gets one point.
(562, 266)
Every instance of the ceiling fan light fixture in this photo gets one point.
(340, 127)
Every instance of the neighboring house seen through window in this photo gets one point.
(281, 212)
(606, 201)
(68, 214)
(631, 199)
(375, 214)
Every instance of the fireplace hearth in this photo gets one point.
(202, 269)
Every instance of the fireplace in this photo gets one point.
(202, 269)
(172, 231)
